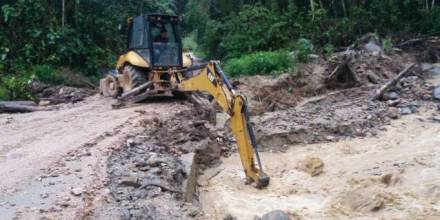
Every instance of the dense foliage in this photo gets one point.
(38, 37)
(229, 28)
(259, 63)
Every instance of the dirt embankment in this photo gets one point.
(329, 101)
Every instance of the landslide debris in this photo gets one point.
(62, 94)
(332, 100)
(147, 174)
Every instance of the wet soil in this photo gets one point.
(391, 176)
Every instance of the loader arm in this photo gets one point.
(211, 79)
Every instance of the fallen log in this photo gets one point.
(15, 108)
(380, 92)
(135, 91)
(26, 103)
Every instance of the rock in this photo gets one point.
(44, 103)
(229, 217)
(373, 47)
(275, 215)
(393, 102)
(155, 160)
(129, 181)
(405, 111)
(390, 96)
(393, 95)
(436, 118)
(426, 96)
(220, 120)
(426, 66)
(44, 195)
(390, 179)
(413, 106)
(363, 200)
(330, 138)
(64, 204)
(311, 165)
(438, 107)
(192, 212)
(130, 142)
(433, 69)
(393, 113)
(76, 191)
(436, 93)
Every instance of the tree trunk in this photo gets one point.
(344, 9)
(380, 92)
(312, 7)
(14, 108)
(63, 16)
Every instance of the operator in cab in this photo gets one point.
(162, 37)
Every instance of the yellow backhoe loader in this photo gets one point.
(155, 65)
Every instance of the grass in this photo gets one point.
(260, 63)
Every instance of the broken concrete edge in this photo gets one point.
(190, 183)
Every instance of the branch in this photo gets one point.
(384, 88)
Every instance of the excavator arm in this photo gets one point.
(211, 79)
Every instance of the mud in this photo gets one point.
(392, 176)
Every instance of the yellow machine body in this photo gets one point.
(135, 59)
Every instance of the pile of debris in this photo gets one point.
(269, 94)
(153, 173)
(53, 95)
(341, 114)
(364, 88)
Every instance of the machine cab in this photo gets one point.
(156, 38)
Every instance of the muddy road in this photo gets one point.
(53, 163)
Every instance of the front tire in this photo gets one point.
(109, 87)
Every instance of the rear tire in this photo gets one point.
(134, 77)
